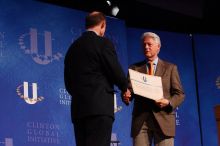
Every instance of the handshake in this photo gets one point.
(126, 96)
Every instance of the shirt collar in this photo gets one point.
(92, 31)
(155, 61)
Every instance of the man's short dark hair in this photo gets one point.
(94, 18)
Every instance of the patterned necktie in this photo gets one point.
(150, 68)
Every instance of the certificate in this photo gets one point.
(145, 85)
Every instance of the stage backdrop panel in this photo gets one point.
(34, 38)
(116, 31)
(176, 48)
(208, 75)
(35, 107)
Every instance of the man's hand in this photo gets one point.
(163, 102)
(126, 97)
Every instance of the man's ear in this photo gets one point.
(103, 24)
(159, 46)
(158, 51)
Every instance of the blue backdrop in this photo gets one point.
(35, 106)
(208, 66)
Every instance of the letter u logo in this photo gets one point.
(144, 79)
(25, 94)
(32, 100)
(34, 44)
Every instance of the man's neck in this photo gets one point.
(94, 30)
(152, 59)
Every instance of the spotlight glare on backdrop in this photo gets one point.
(109, 2)
(114, 11)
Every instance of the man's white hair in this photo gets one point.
(153, 36)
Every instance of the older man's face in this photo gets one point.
(151, 48)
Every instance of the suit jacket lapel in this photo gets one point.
(160, 68)
(143, 68)
(159, 71)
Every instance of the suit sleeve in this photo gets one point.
(113, 67)
(67, 72)
(177, 93)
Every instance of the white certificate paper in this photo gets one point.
(146, 85)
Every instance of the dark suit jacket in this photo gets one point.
(91, 69)
(172, 90)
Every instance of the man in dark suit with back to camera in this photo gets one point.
(154, 121)
(90, 72)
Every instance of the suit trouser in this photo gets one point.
(151, 133)
(93, 131)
